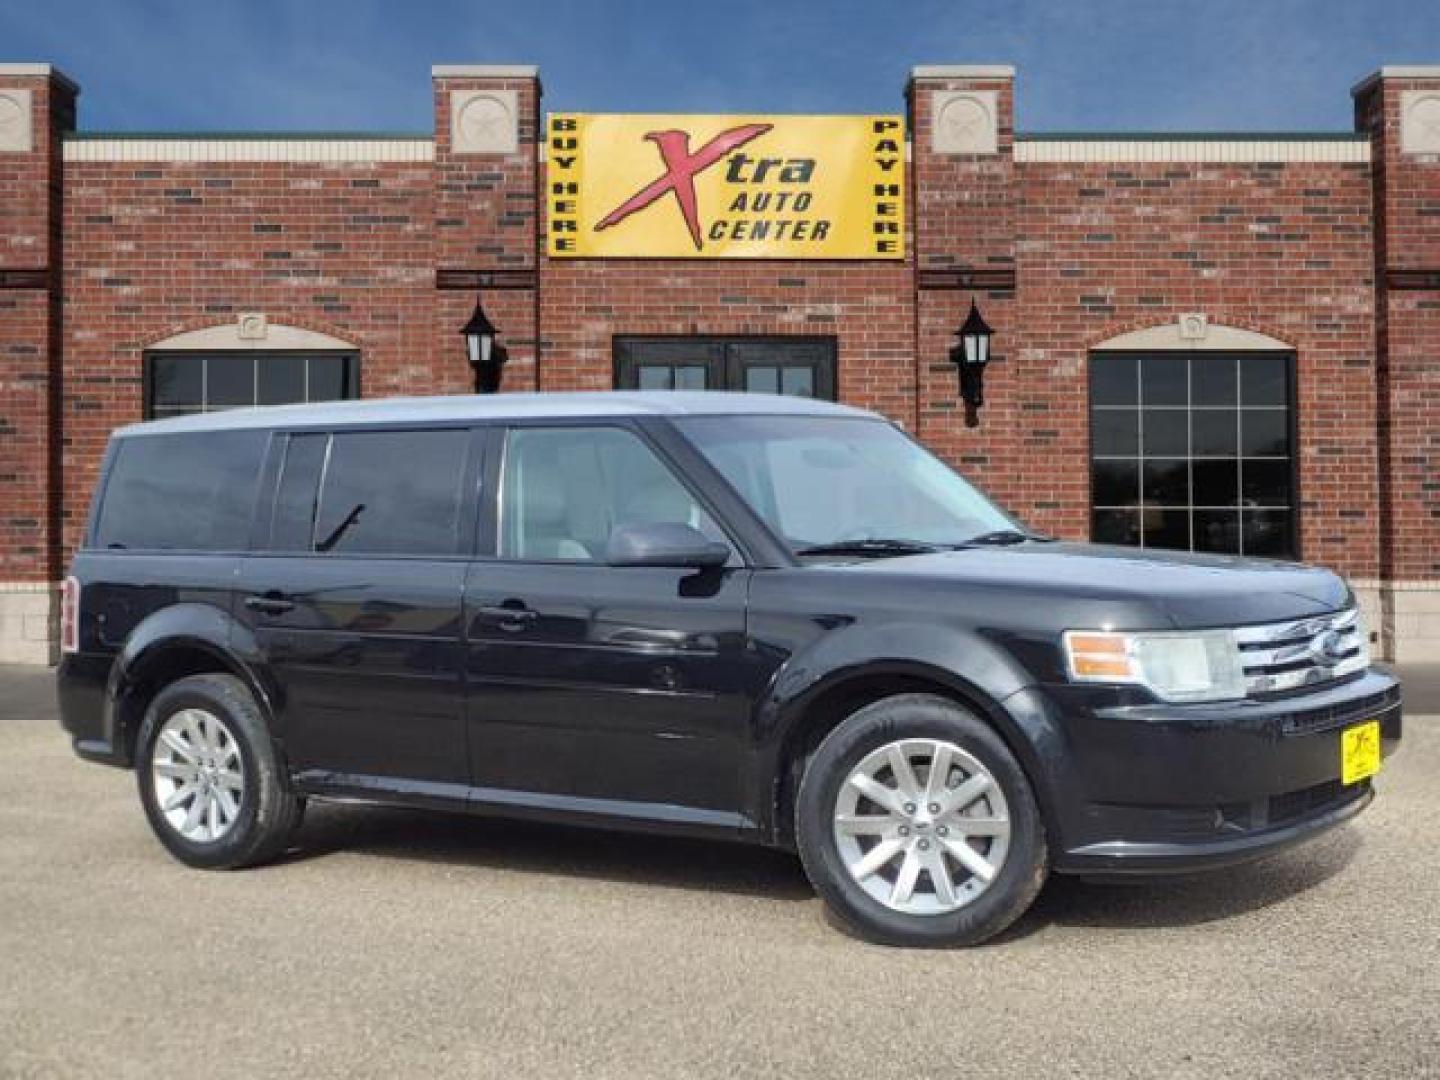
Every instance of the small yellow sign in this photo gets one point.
(1359, 752)
(726, 187)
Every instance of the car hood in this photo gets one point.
(1182, 589)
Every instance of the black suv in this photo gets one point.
(739, 616)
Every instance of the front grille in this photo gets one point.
(1308, 721)
(1186, 824)
(1294, 805)
(1302, 653)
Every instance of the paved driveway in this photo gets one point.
(406, 945)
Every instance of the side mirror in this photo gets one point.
(664, 543)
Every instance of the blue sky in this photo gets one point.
(364, 64)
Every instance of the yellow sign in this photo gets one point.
(1359, 752)
(727, 187)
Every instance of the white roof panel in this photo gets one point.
(499, 407)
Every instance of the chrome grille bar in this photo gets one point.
(1302, 652)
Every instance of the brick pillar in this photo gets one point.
(37, 105)
(1400, 108)
(486, 206)
(964, 193)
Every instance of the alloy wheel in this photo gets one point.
(198, 775)
(922, 826)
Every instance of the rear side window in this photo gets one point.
(294, 526)
(191, 492)
(385, 493)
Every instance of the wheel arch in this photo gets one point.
(172, 644)
(834, 699)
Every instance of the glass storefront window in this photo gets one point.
(1193, 451)
(181, 383)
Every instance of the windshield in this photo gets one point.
(827, 481)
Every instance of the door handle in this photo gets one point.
(510, 618)
(272, 603)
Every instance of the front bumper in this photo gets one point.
(1143, 787)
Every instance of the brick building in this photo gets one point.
(1225, 342)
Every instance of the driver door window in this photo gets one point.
(565, 489)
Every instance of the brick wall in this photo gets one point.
(486, 222)
(1101, 248)
(30, 370)
(1283, 249)
(158, 248)
(1407, 257)
(31, 374)
(1061, 255)
(866, 306)
(965, 233)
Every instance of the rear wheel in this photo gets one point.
(917, 825)
(208, 775)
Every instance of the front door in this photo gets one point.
(614, 690)
(799, 366)
(354, 602)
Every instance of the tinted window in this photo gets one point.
(392, 493)
(1115, 380)
(294, 526)
(180, 383)
(1209, 445)
(565, 489)
(192, 492)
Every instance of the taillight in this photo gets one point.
(70, 615)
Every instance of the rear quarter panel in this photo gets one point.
(131, 605)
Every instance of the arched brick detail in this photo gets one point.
(1277, 338)
(342, 337)
(226, 337)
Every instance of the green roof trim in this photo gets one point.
(251, 136)
(1191, 136)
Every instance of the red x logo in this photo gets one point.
(681, 168)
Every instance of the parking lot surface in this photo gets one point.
(410, 944)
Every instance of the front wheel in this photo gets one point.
(209, 778)
(917, 826)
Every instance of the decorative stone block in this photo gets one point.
(16, 128)
(1420, 122)
(28, 613)
(484, 122)
(252, 326)
(966, 122)
(1372, 614)
(1194, 326)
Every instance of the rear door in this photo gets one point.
(354, 600)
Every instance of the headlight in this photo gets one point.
(1199, 665)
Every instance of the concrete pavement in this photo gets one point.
(408, 944)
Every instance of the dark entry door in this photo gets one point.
(800, 366)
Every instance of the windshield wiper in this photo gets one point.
(878, 546)
(1001, 537)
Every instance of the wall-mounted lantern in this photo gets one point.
(486, 355)
(970, 356)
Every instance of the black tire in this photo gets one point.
(268, 811)
(919, 716)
